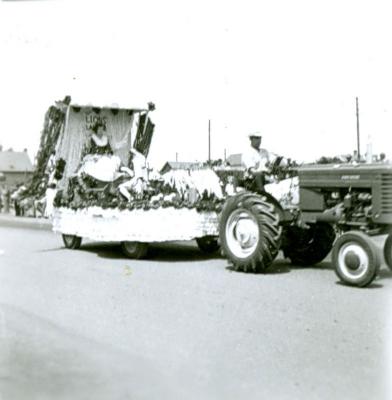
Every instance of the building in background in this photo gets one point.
(15, 168)
(172, 165)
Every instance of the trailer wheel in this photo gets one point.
(208, 244)
(355, 259)
(72, 241)
(249, 232)
(388, 251)
(308, 246)
(134, 249)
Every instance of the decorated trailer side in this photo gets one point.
(107, 192)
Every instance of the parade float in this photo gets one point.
(92, 155)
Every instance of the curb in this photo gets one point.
(9, 220)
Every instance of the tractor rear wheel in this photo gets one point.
(208, 244)
(249, 232)
(308, 246)
(388, 251)
(72, 241)
(134, 249)
(355, 259)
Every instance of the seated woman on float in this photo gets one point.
(98, 159)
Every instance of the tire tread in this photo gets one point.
(268, 222)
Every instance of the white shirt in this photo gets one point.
(256, 159)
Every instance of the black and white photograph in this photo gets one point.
(195, 200)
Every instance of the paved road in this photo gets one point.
(91, 324)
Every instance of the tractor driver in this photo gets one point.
(256, 160)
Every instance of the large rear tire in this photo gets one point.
(308, 246)
(134, 249)
(72, 242)
(249, 232)
(355, 259)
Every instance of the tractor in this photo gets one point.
(341, 207)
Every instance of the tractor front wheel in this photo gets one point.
(355, 259)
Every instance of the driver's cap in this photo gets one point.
(255, 135)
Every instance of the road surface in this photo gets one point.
(91, 324)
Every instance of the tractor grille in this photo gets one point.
(386, 193)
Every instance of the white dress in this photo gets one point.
(103, 167)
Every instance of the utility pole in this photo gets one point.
(209, 141)
(358, 143)
(176, 156)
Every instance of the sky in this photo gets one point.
(288, 69)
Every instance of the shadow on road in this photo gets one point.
(162, 252)
(50, 250)
(104, 250)
(179, 252)
(371, 286)
(278, 267)
(188, 251)
(385, 274)
(323, 266)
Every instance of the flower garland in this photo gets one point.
(54, 119)
(157, 195)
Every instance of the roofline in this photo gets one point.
(110, 107)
